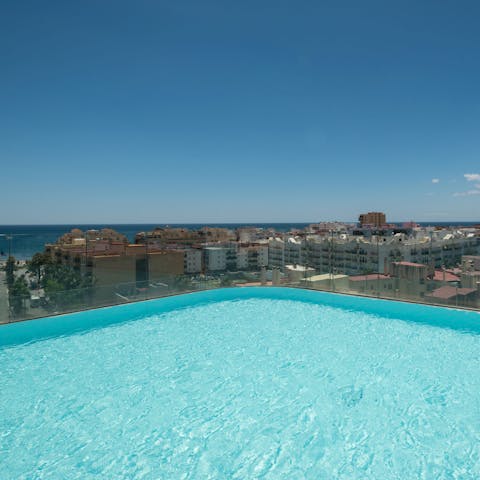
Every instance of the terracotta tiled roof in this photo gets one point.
(448, 292)
(449, 277)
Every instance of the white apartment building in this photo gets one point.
(352, 255)
(242, 258)
(215, 258)
(261, 255)
(233, 256)
(193, 260)
(252, 257)
(294, 250)
(276, 252)
(355, 255)
(285, 251)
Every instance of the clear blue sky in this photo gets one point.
(152, 111)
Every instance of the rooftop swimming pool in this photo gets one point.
(243, 383)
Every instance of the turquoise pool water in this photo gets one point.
(241, 384)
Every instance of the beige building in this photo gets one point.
(470, 279)
(161, 237)
(165, 264)
(411, 279)
(371, 284)
(297, 273)
(325, 281)
(117, 266)
(112, 269)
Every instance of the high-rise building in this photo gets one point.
(376, 219)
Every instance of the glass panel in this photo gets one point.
(92, 268)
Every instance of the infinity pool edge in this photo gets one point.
(70, 323)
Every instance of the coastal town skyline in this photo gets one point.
(371, 255)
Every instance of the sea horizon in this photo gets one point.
(246, 223)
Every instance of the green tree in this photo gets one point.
(181, 283)
(37, 265)
(226, 282)
(17, 294)
(65, 286)
(10, 268)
